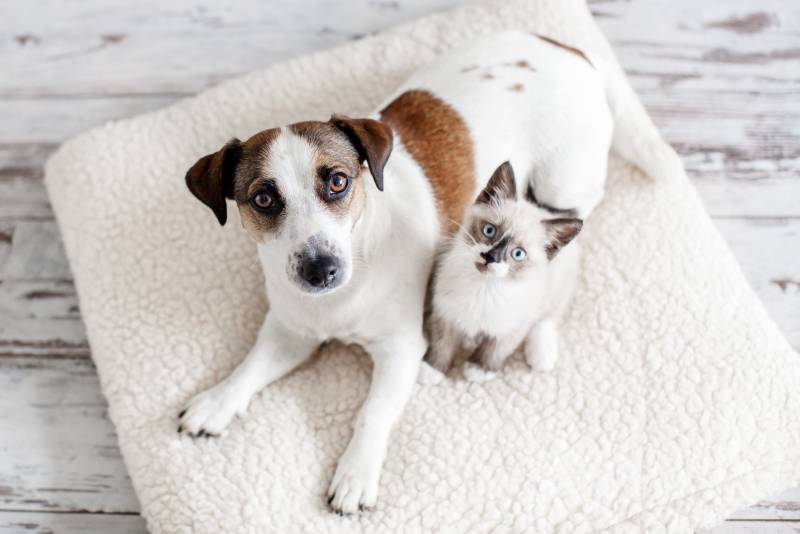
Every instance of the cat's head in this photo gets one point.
(508, 236)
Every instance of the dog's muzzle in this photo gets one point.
(320, 272)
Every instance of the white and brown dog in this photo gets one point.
(347, 234)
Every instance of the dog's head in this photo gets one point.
(300, 191)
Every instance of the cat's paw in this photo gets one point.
(541, 348)
(429, 375)
(476, 373)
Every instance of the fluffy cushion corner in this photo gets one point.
(675, 400)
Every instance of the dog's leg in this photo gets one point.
(355, 483)
(275, 352)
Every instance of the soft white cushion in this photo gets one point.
(674, 402)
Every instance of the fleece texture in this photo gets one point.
(674, 402)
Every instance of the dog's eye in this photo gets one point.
(518, 254)
(489, 230)
(338, 183)
(263, 200)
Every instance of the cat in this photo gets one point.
(503, 280)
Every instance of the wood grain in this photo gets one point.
(755, 527)
(784, 506)
(70, 523)
(59, 450)
(721, 80)
(104, 47)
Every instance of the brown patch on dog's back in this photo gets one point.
(438, 139)
(517, 87)
(568, 48)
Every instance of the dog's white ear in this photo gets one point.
(559, 233)
(211, 178)
(372, 139)
(502, 185)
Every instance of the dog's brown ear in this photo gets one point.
(502, 184)
(372, 139)
(559, 233)
(211, 178)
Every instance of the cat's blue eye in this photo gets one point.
(489, 230)
(518, 254)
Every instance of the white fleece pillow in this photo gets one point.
(674, 402)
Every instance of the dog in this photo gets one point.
(347, 215)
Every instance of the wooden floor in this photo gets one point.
(721, 79)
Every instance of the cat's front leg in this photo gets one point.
(541, 345)
(489, 356)
(441, 349)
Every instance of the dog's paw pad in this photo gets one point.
(476, 373)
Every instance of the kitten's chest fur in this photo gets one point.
(478, 307)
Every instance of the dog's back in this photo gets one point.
(531, 101)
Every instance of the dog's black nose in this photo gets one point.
(320, 271)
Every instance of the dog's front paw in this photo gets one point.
(429, 375)
(355, 484)
(210, 412)
(476, 373)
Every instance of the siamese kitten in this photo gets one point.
(503, 281)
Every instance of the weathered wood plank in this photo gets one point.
(39, 313)
(104, 47)
(58, 448)
(36, 253)
(70, 523)
(705, 45)
(22, 193)
(719, 77)
(51, 120)
(782, 507)
(742, 150)
(768, 251)
(755, 527)
(41, 318)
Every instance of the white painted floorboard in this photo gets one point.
(721, 80)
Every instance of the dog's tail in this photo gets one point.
(636, 138)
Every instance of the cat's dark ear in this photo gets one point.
(502, 185)
(530, 196)
(559, 233)
(211, 178)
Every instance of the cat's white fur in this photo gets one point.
(512, 302)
